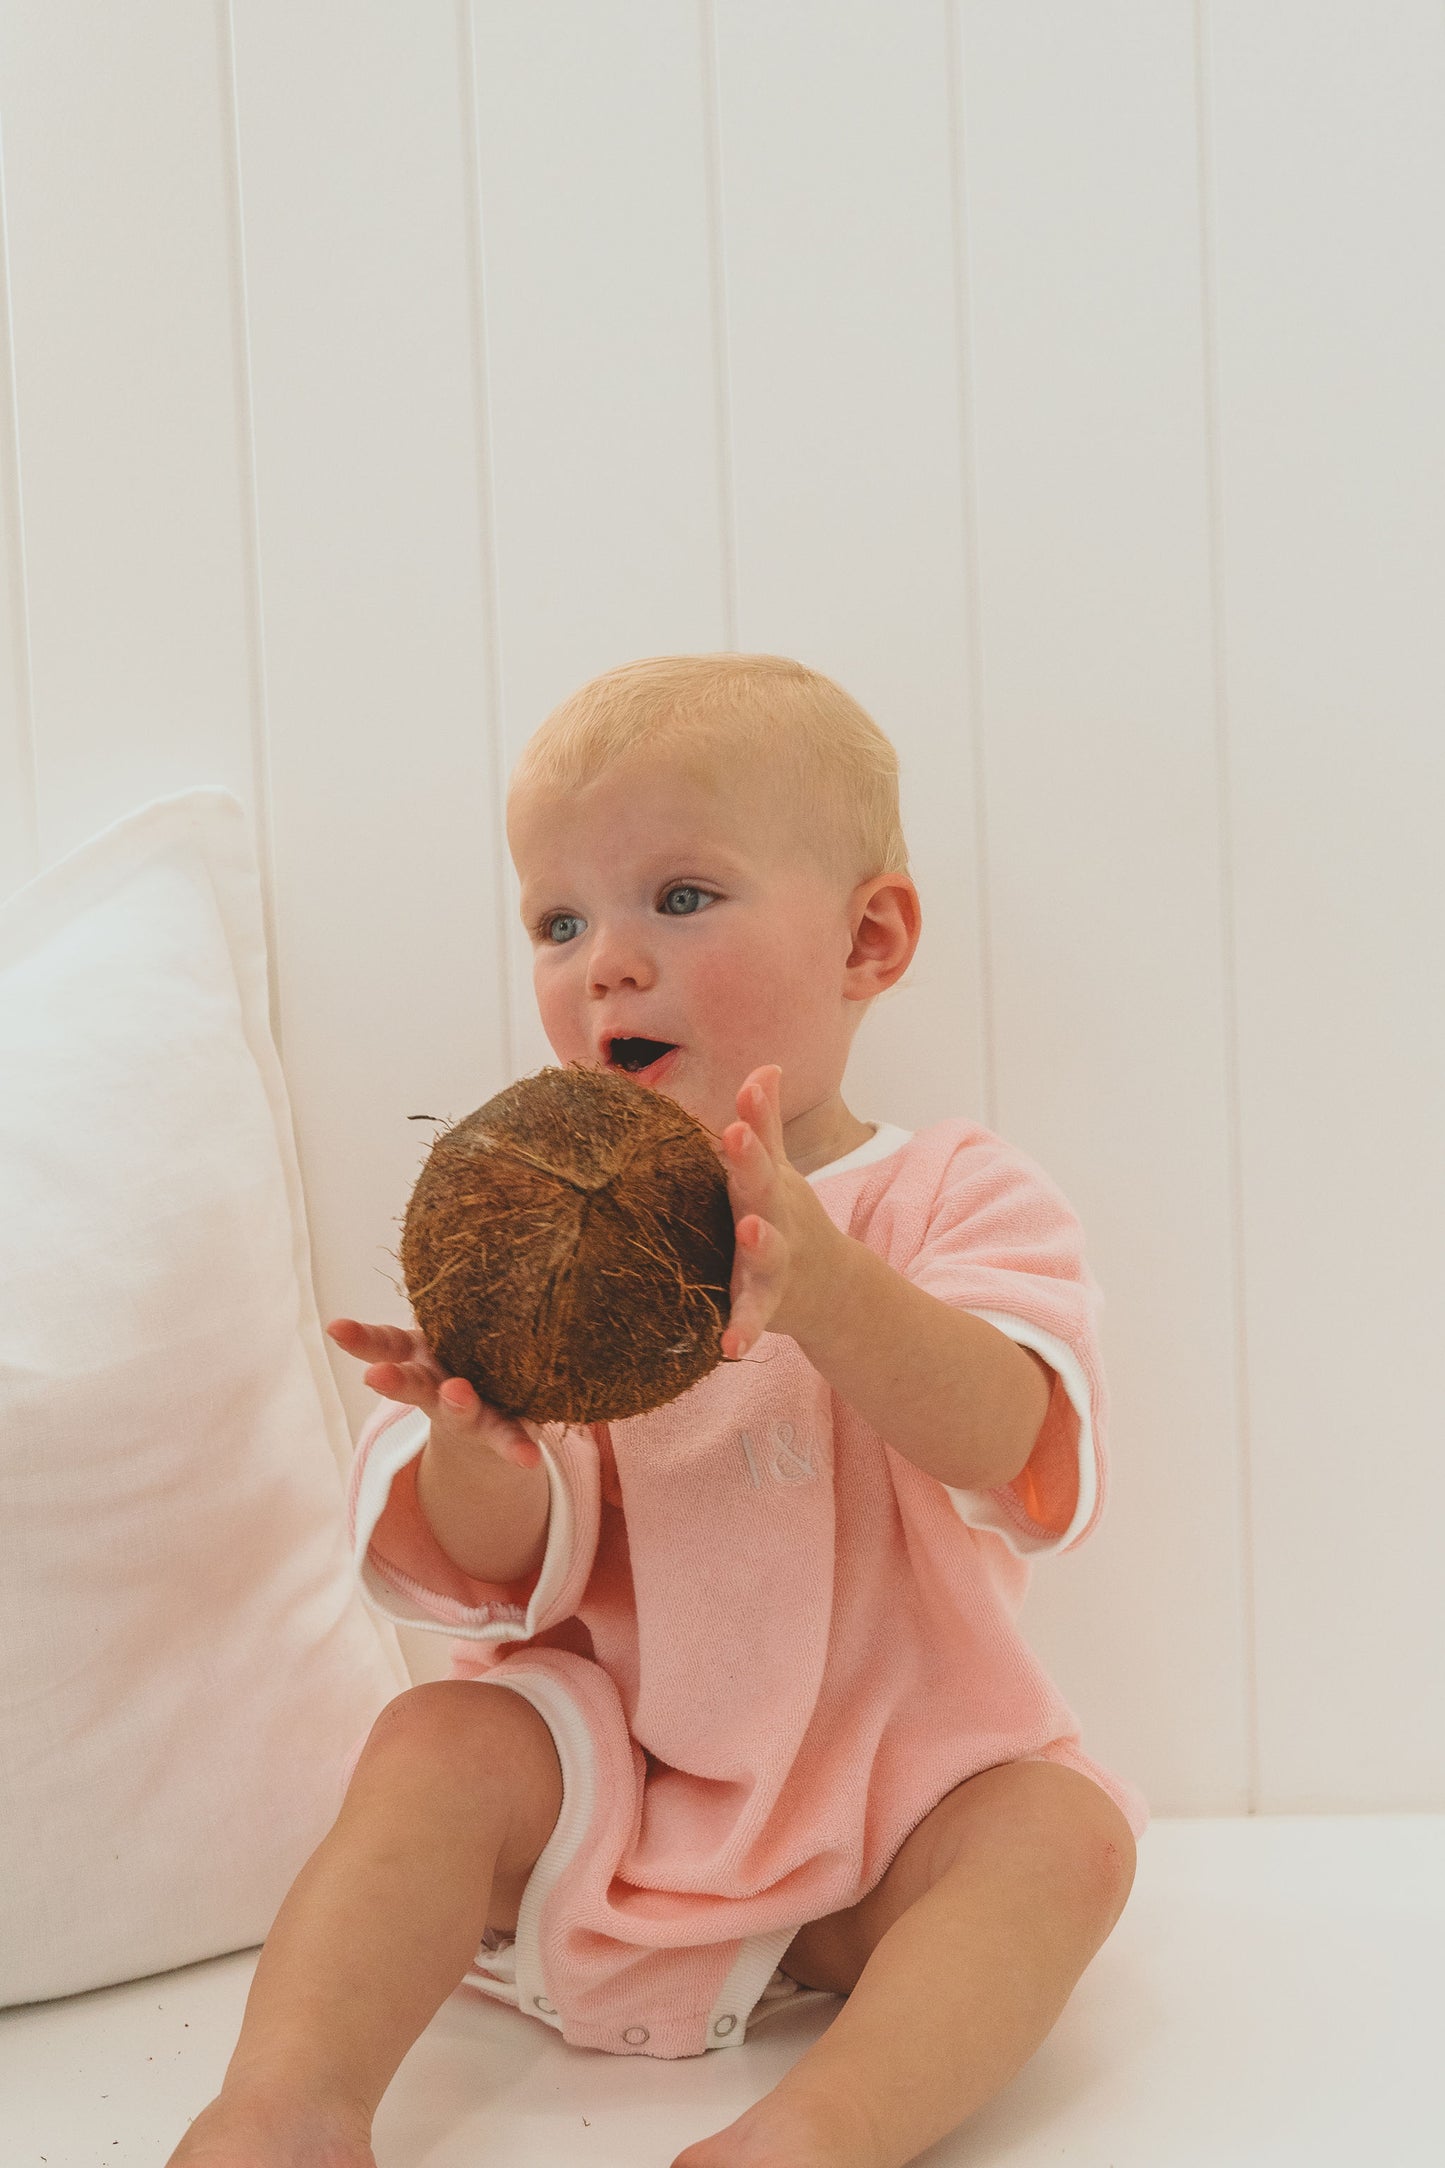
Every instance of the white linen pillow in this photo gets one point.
(185, 1657)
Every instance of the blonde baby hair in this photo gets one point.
(811, 742)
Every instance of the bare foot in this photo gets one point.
(774, 2133)
(271, 2130)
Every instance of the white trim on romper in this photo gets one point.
(509, 1969)
(395, 1594)
(999, 1510)
(886, 1138)
(991, 1508)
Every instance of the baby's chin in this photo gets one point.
(683, 1090)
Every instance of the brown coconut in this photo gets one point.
(568, 1248)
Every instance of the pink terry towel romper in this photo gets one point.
(765, 1644)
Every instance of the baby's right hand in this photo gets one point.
(403, 1367)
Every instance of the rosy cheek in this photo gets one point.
(729, 995)
(559, 1013)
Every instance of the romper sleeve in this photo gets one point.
(407, 1577)
(1003, 1243)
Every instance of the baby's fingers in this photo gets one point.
(463, 1405)
(404, 1368)
(416, 1382)
(372, 1343)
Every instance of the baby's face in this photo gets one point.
(659, 907)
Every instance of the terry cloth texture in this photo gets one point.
(765, 1643)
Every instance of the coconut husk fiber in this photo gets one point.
(568, 1248)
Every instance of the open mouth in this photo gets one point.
(642, 1058)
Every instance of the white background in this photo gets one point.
(1064, 378)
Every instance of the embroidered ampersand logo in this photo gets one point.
(788, 1464)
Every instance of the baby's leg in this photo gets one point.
(451, 1804)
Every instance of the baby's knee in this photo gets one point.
(459, 1719)
(441, 1710)
(481, 1744)
(1106, 1858)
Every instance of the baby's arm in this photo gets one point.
(480, 1480)
(946, 1389)
(488, 1515)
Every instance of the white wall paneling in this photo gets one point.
(844, 370)
(1064, 380)
(19, 842)
(368, 389)
(1327, 142)
(602, 357)
(129, 486)
(1096, 719)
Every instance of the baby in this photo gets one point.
(769, 1726)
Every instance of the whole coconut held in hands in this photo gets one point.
(568, 1248)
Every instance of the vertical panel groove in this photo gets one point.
(486, 515)
(258, 706)
(973, 619)
(717, 267)
(1228, 932)
(19, 597)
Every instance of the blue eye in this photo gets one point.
(679, 888)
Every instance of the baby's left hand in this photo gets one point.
(785, 1240)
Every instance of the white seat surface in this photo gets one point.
(1272, 1996)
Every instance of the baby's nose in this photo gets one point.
(617, 960)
